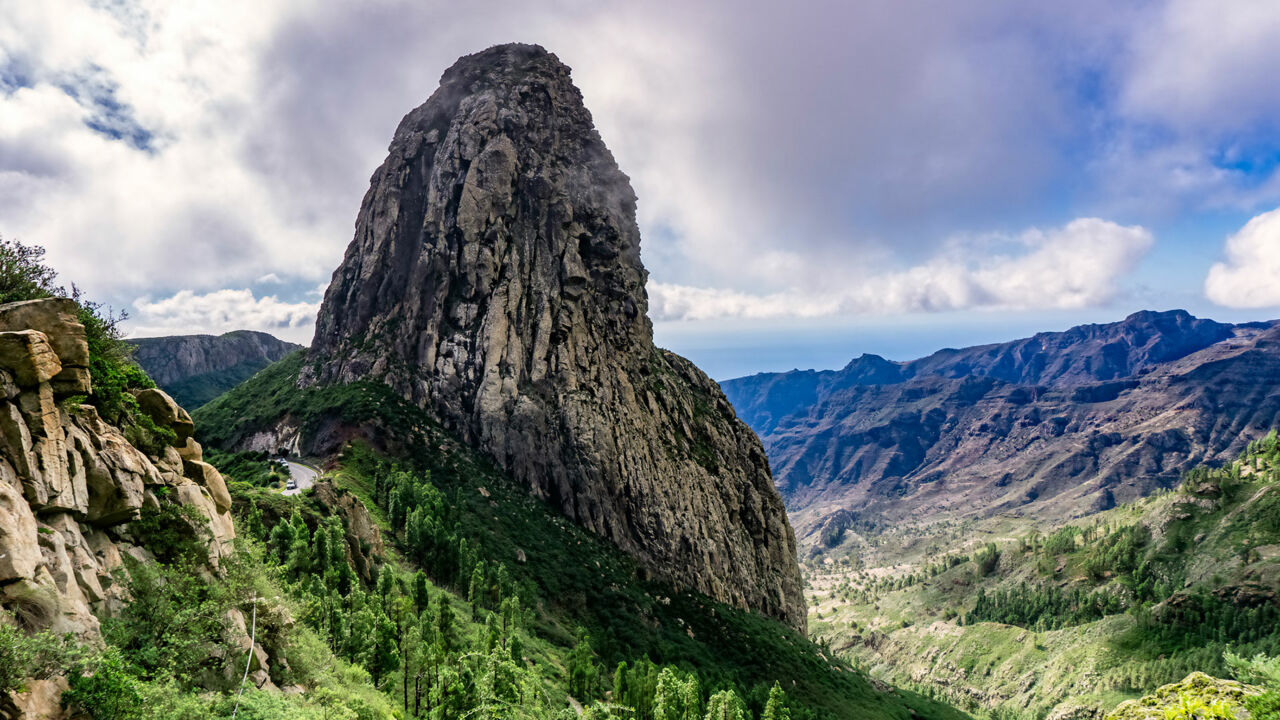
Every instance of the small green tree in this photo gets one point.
(776, 707)
(582, 667)
(23, 274)
(107, 689)
(421, 595)
(1262, 671)
(726, 705)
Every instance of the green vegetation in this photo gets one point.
(1196, 697)
(272, 395)
(255, 468)
(1043, 607)
(455, 640)
(197, 390)
(1100, 611)
(168, 654)
(590, 624)
(25, 276)
(1263, 672)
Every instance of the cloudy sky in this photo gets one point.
(816, 179)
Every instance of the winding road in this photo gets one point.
(305, 475)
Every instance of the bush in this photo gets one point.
(169, 531)
(107, 690)
(25, 656)
(1262, 671)
(25, 276)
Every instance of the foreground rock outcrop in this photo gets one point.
(71, 484)
(1193, 697)
(495, 280)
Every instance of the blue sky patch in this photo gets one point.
(110, 117)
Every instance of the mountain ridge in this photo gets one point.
(195, 369)
(1090, 416)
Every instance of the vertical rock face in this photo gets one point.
(70, 483)
(195, 369)
(495, 280)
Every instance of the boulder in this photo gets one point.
(28, 356)
(191, 450)
(165, 412)
(58, 319)
(41, 699)
(115, 476)
(219, 526)
(207, 475)
(61, 491)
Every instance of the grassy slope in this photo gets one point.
(578, 579)
(197, 390)
(1221, 530)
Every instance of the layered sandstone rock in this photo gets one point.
(495, 279)
(70, 483)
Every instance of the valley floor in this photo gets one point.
(1000, 618)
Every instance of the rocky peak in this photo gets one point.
(495, 280)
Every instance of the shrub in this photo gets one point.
(1265, 672)
(170, 530)
(25, 276)
(25, 655)
(108, 689)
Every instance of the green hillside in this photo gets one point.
(999, 617)
(591, 625)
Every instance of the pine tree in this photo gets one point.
(253, 520)
(445, 625)
(282, 540)
(726, 705)
(421, 596)
(620, 683)
(776, 707)
(667, 700)
(581, 667)
(476, 590)
(386, 583)
(321, 551)
(337, 543)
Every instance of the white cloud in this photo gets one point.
(1250, 275)
(781, 156)
(221, 311)
(122, 144)
(1079, 265)
(1204, 65)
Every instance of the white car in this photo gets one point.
(291, 485)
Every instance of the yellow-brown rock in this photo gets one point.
(58, 319)
(165, 412)
(26, 354)
(69, 481)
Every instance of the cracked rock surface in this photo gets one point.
(495, 280)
